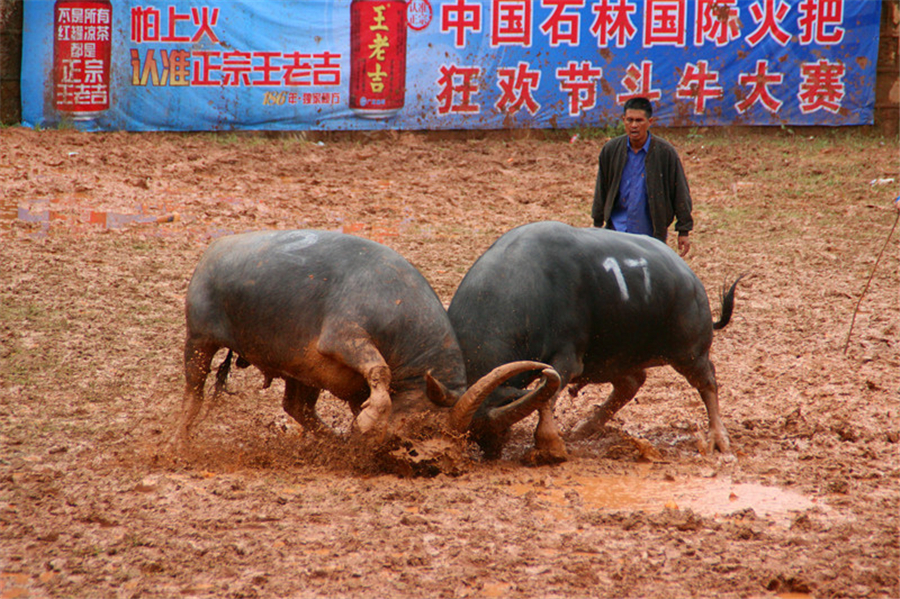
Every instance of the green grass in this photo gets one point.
(613, 129)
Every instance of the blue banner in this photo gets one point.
(188, 65)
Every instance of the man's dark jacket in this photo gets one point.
(667, 188)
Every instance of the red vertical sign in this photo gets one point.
(377, 57)
(82, 32)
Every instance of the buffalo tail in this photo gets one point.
(727, 305)
(222, 375)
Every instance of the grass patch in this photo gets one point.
(614, 129)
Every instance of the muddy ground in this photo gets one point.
(100, 233)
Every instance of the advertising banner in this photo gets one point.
(188, 65)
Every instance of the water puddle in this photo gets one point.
(47, 212)
(76, 216)
(704, 496)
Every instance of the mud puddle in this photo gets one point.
(717, 496)
(80, 217)
(45, 212)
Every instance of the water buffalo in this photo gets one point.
(597, 305)
(324, 310)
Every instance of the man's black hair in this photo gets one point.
(639, 104)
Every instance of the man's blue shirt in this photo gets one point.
(631, 212)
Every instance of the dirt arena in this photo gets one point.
(99, 236)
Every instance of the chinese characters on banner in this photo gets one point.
(447, 64)
(173, 59)
(662, 27)
(377, 57)
(81, 43)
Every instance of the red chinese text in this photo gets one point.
(511, 23)
(458, 86)
(639, 83)
(180, 67)
(516, 86)
(768, 15)
(759, 92)
(821, 86)
(459, 18)
(665, 22)
(148, 25)
(562, 26)
(716, 21)
(613, 22)
(579, 83)
(820, 21)
(698, 84)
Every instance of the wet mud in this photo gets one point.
(99, 236)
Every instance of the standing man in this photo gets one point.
(641, 187)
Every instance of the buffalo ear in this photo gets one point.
(438, 393)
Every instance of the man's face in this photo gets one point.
(637, 123)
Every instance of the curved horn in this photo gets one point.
(468, 404)
(438, 393)
(503, 417)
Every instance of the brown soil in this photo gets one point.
(92, 504)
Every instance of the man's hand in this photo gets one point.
(684, 244)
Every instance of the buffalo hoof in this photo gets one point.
(550, 452)
(370, 437)
(373, 418)
(541, 457)
(719, 440)
(552, 445)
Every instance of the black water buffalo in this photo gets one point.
(324, 310)
(597, 305)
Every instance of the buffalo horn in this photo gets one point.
(503, 417)
(468, 404)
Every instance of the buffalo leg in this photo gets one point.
(624, 389)
(354, 348)
(547, 439)
(701, 374)
(197, 365)
(300, 404)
